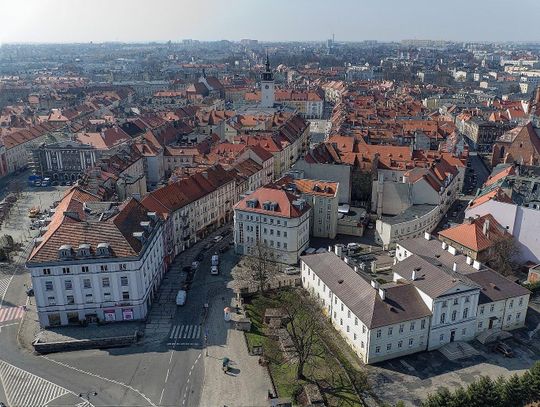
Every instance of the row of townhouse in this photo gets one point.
(194, 206)
(436, 297)
(97, 261)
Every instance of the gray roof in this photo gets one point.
(430, 278)
(496, 287)
(402, 301)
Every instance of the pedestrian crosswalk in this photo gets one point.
(26, 389)
(11, 313)
(4, 284)
(185, 332)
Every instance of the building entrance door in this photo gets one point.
(452, 336)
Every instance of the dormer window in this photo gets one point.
(64, 252)
(103, 249)
(83, 250)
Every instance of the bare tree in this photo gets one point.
(260, 267)
(503, 253)
(303, 324)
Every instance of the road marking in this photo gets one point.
(127, 386)
(185, 332)
(23, 388)
(161, 397)
(4, 285)
(167, 377)
(11, 313)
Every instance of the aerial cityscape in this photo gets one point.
(269, 204)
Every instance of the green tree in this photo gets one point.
(530, 383)
(483, 392)
(441, 398)
(460, 398)
(512, 392)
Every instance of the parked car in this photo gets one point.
(503, 349)
(181, 297)
(218, 238)
(214, 270)
(291, 270)
(30, 291)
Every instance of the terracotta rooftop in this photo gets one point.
(284, 203)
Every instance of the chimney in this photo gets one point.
(427, 236)
(444, 245)
(146, 225)
(346, 259)
(375, 284)
(454, 267)
(373, 267)
(330, 248)
(469, 260)
(476, 264)
(414, 273)
(356, 269)
(452, 250)
(152, 215)
(338, 250)
(139, 236)
(382, 293)
(485, 228)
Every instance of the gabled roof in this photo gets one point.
(402, 301)
(470, 233)
(284, 200)
(496, 194)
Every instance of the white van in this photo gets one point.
(214, 270)
(181, 297)
(215, 260)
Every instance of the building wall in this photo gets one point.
(329, 172)
(143, 277)
(286, 237)
(383, 343)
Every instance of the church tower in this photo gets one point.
(267, 86)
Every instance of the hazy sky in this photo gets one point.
(161, 20)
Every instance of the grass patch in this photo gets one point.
(329, 371)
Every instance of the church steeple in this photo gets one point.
(267, 74)
(267, 85)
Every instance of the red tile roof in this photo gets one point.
(283, 199)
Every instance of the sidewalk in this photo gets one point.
(247, 383)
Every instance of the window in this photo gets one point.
(355, 321)
(465, 313)
(389, 346)
(70, 300)
(423, 324)
(456, 301)
(401, 328)
(509, 317)
(68, 284)
(492, 307)
(411, 342)
(105, 282)
(378, 333)
(46, 272)
(362, 344)
(467, 299)
(463, 331)
(518, 316)
(89, 297)
(390, 331)
(521, 301)
(125, 295)
(443, 318)
(348, 330)
(412, 326)
(84, 269)
(378, 349)
(341, 304)
(87, 283)
(48, 285)
(354, 336)
(441, 338)
(480, 324)
(454, 315)
(66, 270)
(284, 234)
(482, 310)
(400, 344)
(444, 304)
(51, 300)
(123, 281)
(341, 321)
(103, 267)
(363, 329)
(511, 303)
(123, 266)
